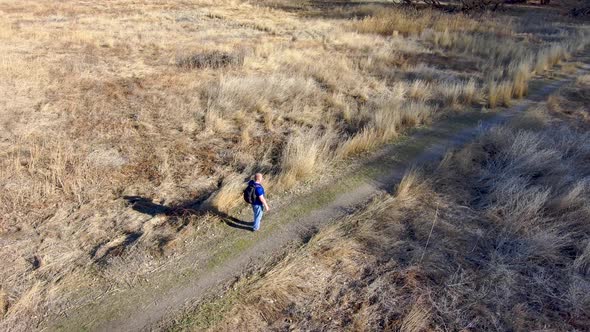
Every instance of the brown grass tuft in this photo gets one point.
(417, 319)
(230, 193)
(411, 187)
(459, 93)
(500, 94)
(521, 76)
(420, 91)
(304, 154)
(364, 141)
(4, 303)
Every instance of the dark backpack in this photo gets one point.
(250, 193)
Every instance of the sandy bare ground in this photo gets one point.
(296, 220)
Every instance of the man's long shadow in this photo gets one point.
(177, 212)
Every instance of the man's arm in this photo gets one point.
(263, 200)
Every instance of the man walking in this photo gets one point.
(254, 194)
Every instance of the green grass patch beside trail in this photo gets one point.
(208, 314)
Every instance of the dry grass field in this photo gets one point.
(495, 237)
(179, 101)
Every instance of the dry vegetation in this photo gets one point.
(573, 103)
(179, 101)
(495, 237)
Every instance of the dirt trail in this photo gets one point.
(381, 172)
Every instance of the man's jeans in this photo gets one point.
(257, 216)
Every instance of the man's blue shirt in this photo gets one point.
(259, 192)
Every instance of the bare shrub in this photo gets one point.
(580, 12)
(213, 60)
(474, 5)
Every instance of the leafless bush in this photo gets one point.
(213, 60)
(471, 5)
(580, 12)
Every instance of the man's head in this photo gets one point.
(258, 177)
